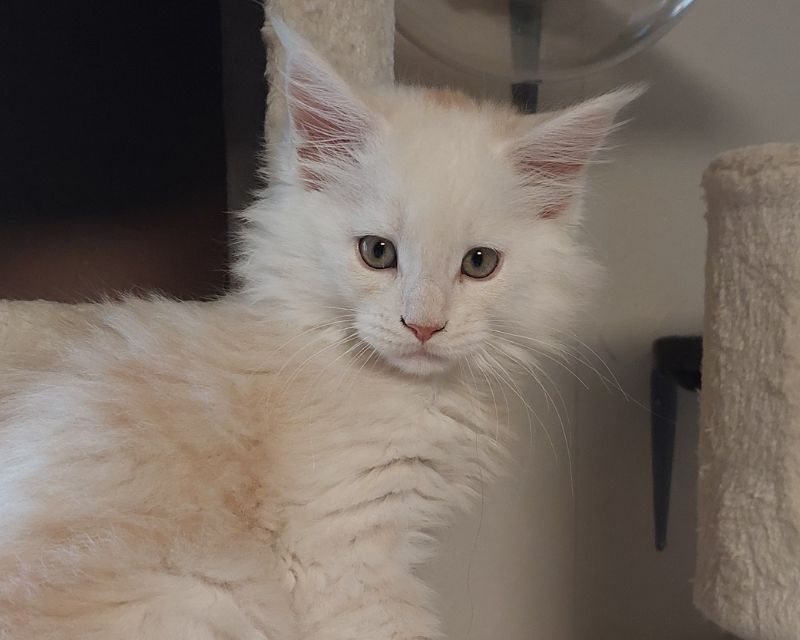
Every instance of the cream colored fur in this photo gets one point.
(272, 465)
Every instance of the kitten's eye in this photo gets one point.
(377, 252)
(480, 262)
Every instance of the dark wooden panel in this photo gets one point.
(112, 149)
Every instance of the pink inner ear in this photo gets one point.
(554, 161)
(549, 213)
(549, 169)
(554, 174)
(329, 130)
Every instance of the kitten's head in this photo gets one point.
(433, 228)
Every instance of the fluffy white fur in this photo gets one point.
(272, 465)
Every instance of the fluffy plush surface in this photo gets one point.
(31, 333)
(271, 465)
(748, 566)
(356, 37)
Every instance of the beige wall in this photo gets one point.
(727, 75)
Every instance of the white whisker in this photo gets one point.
(564, 434)
(540, 352)
(513, 387)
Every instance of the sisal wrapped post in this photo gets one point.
(748, 562)
(355, 36)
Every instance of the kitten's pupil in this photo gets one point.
(477, 259)
(379, 249)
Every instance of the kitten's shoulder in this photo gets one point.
(161, 332)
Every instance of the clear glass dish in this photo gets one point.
(534, 40)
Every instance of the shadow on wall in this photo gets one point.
(626, 587)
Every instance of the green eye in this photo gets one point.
(377, 252)
(480, 262)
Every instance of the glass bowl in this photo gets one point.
(534, 40)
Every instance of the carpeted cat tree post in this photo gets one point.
(355, 36)
(748, 566)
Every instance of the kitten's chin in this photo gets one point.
(413, 359)
(420, 364)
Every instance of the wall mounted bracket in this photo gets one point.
(676, 363)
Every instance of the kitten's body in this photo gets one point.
(204, 497)
(271, 465)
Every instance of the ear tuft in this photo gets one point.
(555, 152)
(328, 124)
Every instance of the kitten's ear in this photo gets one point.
(328, 124)
(554, 153)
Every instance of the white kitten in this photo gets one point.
(271, 465)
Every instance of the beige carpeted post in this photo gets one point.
(355, 36)
(748, 564)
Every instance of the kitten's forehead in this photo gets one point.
(446, 158)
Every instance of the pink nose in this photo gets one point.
(423, 332)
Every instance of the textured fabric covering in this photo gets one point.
(748, 566)
(355, 36)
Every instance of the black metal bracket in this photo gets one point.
(526, 32)
(525, 96)
(676, 362)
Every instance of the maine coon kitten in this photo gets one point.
(271, 465)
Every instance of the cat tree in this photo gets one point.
(748, 566)
(356, 37)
